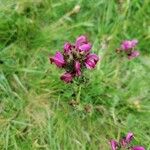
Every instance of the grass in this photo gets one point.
(34, 110)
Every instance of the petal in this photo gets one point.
(114, 145)
(134, 54)
(67, 77)
(134, 42)
(59, 56)
(91, 61)
(90, 64)
(85, 47)
(129, 137)
(126, 45)
(58, 59)
(67, 47)
(80, 40)
(123, 142)
(138, 148)
(93, 56)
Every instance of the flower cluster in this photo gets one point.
(74, 58)
(128, 47)
(124, 143)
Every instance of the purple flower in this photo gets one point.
(128, 47)
(67, 77)
(58, 59)
(93, 56)
(134, 42)
(80, 41)
(126, 140)
(74, 58)
(114, 145)
(91, 61)
(138, 148)
(123, 142)
(129, 137)
(67, 47)
(133, 54)
(77, 68)
(128, 44)
(85, 47)
(82, 44)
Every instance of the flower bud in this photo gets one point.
(133, 54)
(67, 47)
(85, 47)
(67, 77)
(91, 61)
(114, 145)
(80, 41)
(58, 59)
(138, 148)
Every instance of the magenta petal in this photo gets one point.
(67, 77)
(123, 142)
(77, 68)
(134, 42)
(91, 61)
(114, 145)
(90, 64)
(138, 148)
(58, 59)
(129, 137)
(80, 40)
(128, 44)
(85, 47)
(67, 47)
(93, 57)
(134, 54)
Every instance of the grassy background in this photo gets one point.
(34, 110)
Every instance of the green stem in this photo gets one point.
(78, 94)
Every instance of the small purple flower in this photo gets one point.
(58, 59)
(128, 44)
(77, 68)
(126, 140)
(133, 54)
(129, 137)
(114, 145)
(74, 58)
(93, 56)
(138, 148)
(85, 47)
(67, 47)
(134, 42)
(91, 61)
(82, 44)
(80, 41)
(67, 77)
(128, 47)
(124, 143)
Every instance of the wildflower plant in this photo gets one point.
(125, 143)
(74, 59)
(128, 48)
